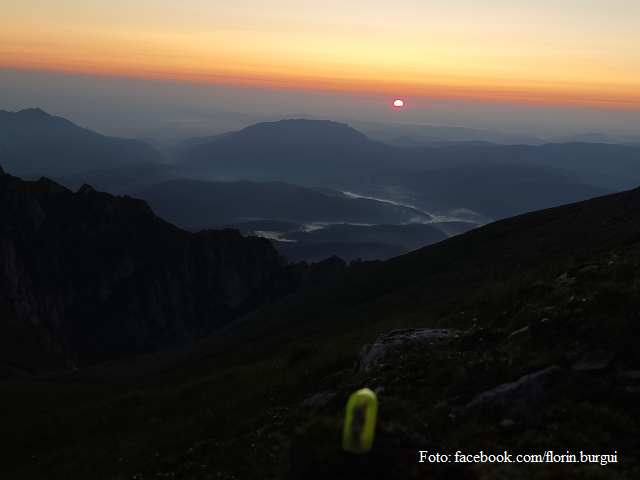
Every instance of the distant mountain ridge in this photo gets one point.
(311, 151)
(289, 148)
(32, 141)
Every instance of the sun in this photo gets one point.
(398, 103)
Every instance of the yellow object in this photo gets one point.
(360, 421)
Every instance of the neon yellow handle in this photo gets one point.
(360, 421)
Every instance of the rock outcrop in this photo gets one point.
(101, 277)
(372, 355)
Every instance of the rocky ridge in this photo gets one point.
(101, 277)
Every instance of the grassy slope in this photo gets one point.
(232, 398)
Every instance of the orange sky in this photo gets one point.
(582, 53)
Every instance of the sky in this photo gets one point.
(547, 66)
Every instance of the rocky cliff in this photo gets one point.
(100, 277)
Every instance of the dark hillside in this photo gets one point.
(563, 280)
(439, 275)
(102, 277)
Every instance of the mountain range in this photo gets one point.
(312, 151)
(347, 177)
(544, 306)
(32, 141)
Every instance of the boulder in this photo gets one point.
(371, 355)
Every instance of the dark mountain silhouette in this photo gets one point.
(100, 277)
(32, 141)
(348, 251)
(187, 203)
(88, 277)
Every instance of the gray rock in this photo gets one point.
(371, 355)
(594, 361)
(529, 389)
(630, 374)
(318, 400)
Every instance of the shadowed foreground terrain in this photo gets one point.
(546, 307)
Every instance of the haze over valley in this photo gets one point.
(320, 175)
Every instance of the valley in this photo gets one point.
(175, 321)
